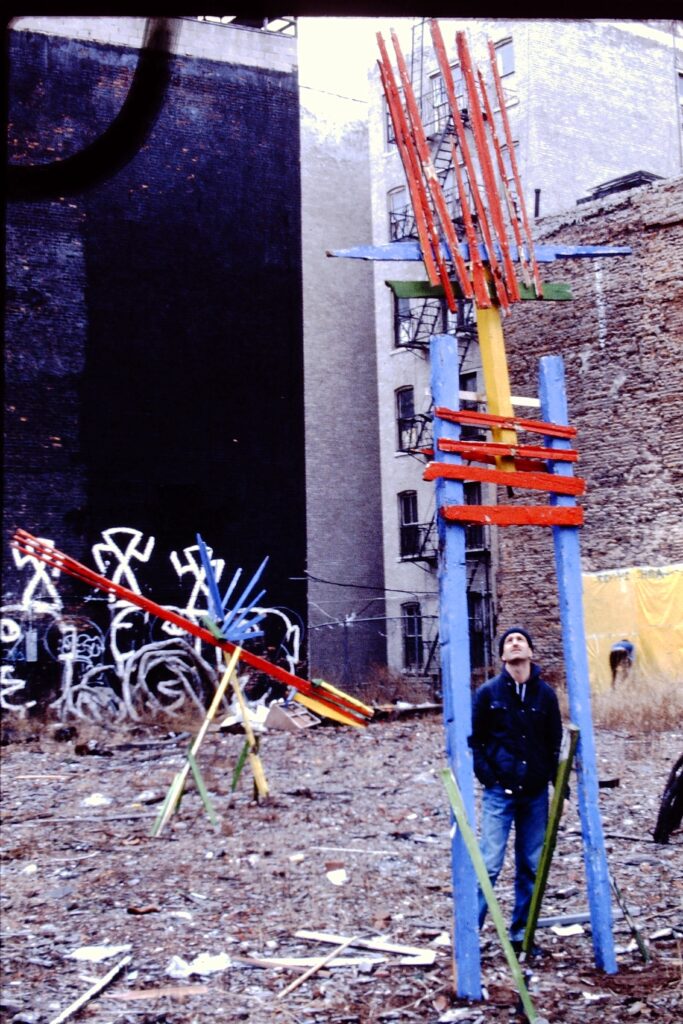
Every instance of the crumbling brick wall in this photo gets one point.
(621, 341)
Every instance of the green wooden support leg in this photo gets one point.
(241, 761)
(456, 801)
(563, 770)
(203, 792)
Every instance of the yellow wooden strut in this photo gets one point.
(496, 377)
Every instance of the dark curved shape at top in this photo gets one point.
(117, 146)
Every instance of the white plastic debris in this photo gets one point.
(96, 800)
(205, 963)
(567, 929)
(337, 876)
(30, 869)
(296, 858)
(443, 939)
(95, 954)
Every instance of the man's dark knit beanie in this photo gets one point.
(514, 629)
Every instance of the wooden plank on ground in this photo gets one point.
(513, 515)
(537, 481)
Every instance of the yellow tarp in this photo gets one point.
(642, 604)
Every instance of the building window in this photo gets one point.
(477, 609)
(411, 629)
(409, 527)
(401, 216)
(507, 162)
(468, 382)
(505, 56)
(436, 116)
(415, 320)
(405, 419)
(474, 532)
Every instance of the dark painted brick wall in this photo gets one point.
(154, 322)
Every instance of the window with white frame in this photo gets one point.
(411, 630)
(405, 418)
(505, 57)
(401, 216)
(409, 527)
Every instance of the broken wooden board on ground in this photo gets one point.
(425, 957)
(165, 992)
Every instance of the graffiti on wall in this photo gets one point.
(119, 662)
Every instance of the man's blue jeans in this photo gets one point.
(529, 814)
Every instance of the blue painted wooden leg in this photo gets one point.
(455, 669)
(568, 563)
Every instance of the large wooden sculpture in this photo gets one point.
(484, 264)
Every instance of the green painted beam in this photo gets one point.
(563, 770)
(458, 806)
(552, 292)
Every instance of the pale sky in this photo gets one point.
(336, 54)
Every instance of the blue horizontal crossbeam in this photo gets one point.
(410, 252)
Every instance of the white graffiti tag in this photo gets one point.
(194, 566)
(123, 552)
(40, 593)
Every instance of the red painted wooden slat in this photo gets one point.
(533, 481)
(478, 449)
(487, 419)
(514, 515)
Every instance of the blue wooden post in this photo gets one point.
(455, 668)
(568, 567)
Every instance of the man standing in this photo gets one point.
(516, 737)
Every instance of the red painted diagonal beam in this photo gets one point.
(472, 449)
(513, 165)
(447, 75)
(477, 120)
(487, 419)
(512, 212)
(479, 279)
(432, 249)
(413, 179)
(430, 175)
(514, 515)
(534, 481)
(34, 547)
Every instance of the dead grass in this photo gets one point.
(639, 706)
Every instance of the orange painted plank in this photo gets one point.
(514, 515)
(532, 481)
(476, 449)
(487, 419)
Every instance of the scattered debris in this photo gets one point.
(92, 992)
(205, 963)
(97, 800)
(96, 954)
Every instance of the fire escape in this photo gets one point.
(416, 319)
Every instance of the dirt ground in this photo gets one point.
(365, 809)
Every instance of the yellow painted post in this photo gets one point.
(496, 378)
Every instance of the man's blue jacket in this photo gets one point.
(516, 743)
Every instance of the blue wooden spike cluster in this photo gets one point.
(237, 623)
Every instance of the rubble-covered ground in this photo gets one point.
(354, 841)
